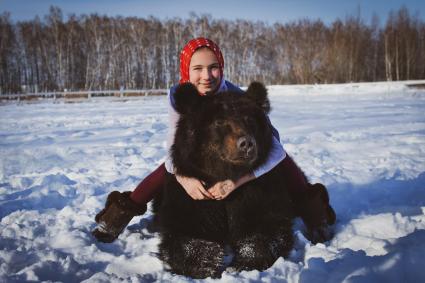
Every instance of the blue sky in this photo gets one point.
(269, 11)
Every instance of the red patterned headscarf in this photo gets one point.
(190, 48)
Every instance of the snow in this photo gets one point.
(59, 161)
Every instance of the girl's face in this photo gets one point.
(204, 71)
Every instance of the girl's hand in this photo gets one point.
(222, 189)
(193, 188)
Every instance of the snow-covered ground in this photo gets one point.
(59, 161)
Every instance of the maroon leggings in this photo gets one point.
(148, 188)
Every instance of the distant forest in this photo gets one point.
(93, 52)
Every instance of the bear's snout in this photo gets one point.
(246, 144)
(247, 147)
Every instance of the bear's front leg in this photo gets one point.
(196, 258)
(260, 251)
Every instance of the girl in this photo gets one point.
(201, 63)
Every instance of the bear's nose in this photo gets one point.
(245, 144)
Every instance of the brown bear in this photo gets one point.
(219, 137)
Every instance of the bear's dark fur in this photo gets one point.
(219, 137)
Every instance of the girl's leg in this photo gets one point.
(311, 202)
(121, 207)
(149, 187)
(294, 176)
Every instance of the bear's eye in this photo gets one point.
(247, 119)
(191, 133)
(218, 123)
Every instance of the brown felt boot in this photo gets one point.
(119, 210)
(317, 214)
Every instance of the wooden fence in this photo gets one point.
(82, 94)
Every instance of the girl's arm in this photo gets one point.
(173, 117)
(276, 155)
(192, 186)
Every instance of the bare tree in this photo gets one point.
(95, 52)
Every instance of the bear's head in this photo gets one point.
(221, 136)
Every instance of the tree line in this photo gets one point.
(93, 52)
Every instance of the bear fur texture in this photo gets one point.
(219, 137)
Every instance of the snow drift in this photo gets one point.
(59, 161)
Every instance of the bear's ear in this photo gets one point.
(258, 92)
(186, 98)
